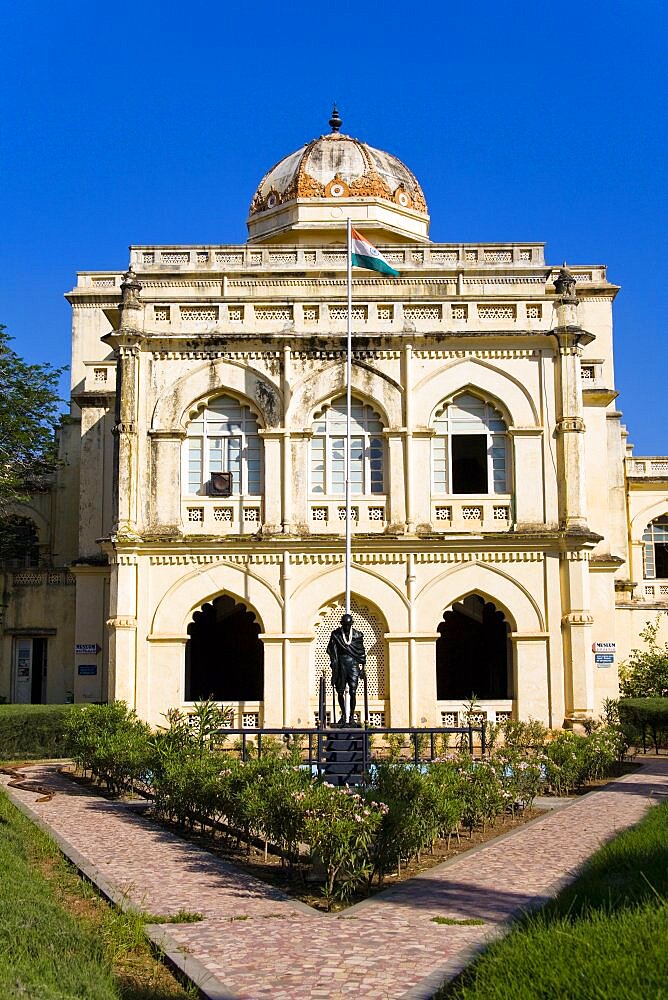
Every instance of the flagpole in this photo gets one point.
(349, 353)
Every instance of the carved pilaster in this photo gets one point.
(577, 632)
(570, 423)
(125, 434)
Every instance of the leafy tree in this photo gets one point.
(28, 419)
(18, 540)
(645, 673)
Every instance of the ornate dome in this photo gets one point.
(336, 166)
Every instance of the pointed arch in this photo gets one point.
(376, 588)
(470, 447)
(28, 512)
(474, 656)
(222, 438)
(646, 515)
(326, 453)
(197, 387)
(493, 584)
(203, 584)
(485, 380)
(328, 382)
(224, 655)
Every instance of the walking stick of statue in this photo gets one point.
(366, 701)
(322, 703)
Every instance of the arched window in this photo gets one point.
(470, 449)
(224, 438)
(328, 448)
(655, 538)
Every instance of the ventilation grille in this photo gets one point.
(422, 312)
(496, 312)
(273, 312)
(199, 314)
(229, 258)
(341, 312)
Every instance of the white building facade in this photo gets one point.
(501, 525)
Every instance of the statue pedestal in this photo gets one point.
(343, 756)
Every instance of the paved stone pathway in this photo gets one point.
(257, 943)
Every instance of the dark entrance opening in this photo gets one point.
(224, 656)
(38, 675)
(473, 652)
(469, 463)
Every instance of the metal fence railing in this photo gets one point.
(409, 743)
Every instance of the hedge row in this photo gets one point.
(196, 780)
(30, 732)
(643, 719)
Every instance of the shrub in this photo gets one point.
(645, 673)
(444, 777)
(29, 732)
(410, 820)
(186, 788)
(110, 742)
(523, 735)
(284, 797)
(520, 777)
(340, 827)
(643, 717)
(402, 811)
(481, 793)
(564, 761)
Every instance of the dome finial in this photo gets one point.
(335, 121)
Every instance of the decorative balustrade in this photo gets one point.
(647, 467)
(221, 515)
(43, 577)
(456, 713)
(247, 257)
(472, 513)
(328, 516)
(447, 314)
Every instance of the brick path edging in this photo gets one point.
(390, 950)
(185, 964)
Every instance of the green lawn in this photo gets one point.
(58, 939)
(603, 938)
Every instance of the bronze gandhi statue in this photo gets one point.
(347, 657)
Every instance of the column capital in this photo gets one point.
(571, 338)
(577, 618)
(566, 425)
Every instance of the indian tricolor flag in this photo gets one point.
(364, 254)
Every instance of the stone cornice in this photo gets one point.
(598, 397)
(104, 400)
(168, 433)
(530, 546)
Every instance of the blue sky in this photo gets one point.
(153, 122)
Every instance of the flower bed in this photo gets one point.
(352, 839)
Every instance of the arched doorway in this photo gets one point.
(473, 655)
(224, 656)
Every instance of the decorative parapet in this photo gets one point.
(650, 467)
(242, 257)
(42, 578)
